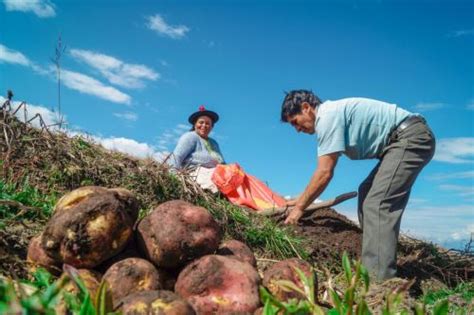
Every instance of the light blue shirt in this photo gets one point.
(356, 127)
(191, 151)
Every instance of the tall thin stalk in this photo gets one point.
(59, 50)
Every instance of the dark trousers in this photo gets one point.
(384, 194)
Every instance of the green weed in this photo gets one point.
(353, 300)
(44, 295)
(26, 201)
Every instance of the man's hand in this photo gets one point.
(291, 202)
(294, 215)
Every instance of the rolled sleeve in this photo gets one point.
(331, 133)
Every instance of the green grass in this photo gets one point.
(464, 290)
(46, 295)
(256, 231)
(352, 299)
(24, 195)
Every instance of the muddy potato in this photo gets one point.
(176, 232)
(285, 270)
(130, 251)
(87, 230)
(237, 250)
(91, 280)
(72, 198)
(156, 303)
(132, 275)
(131, 204)
(217, 284)
(37, 257)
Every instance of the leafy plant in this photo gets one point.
(353, 300)
(307, 305)
(23, 200)
(43, 299)
(357, 281)
(44, 295)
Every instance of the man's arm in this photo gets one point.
(319, 181)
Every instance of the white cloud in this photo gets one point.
(168, 139)
(127, 116)
(456, 175)
(424, 107)
(115, 70)
(49, 117)
(73, 80)
(11, 56)
(459, 33)
(88, 85)
(128, 146)
(438, 223)
(158, 24)
(470, 106)
(131, 147)
(455, 150)
(42, 8)
(464, 191)
(465, 233)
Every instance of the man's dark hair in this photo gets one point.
(293, 100)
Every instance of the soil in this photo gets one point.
(330, 234)
(14, 240)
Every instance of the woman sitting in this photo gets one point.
(197, 151)
(200, 153)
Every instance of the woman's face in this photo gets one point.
(203, 126)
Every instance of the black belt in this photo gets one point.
(410, 120)
(407, 122)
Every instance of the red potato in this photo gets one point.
(238, 250)
(89, 226)
(176, 232)
(132, 275)
(285, 270)
(156, 303)
(217, 284)
(37, 257)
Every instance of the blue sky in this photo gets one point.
(133, 71)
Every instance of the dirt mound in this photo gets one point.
(330, 234)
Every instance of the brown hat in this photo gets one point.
(203, 112)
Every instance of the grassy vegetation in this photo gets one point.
(256, 231)
(353, 300)
(462, 297)
(21, 200)
(43, 295)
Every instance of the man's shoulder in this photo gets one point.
(351, 101)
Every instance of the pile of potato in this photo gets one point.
(172, 261)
